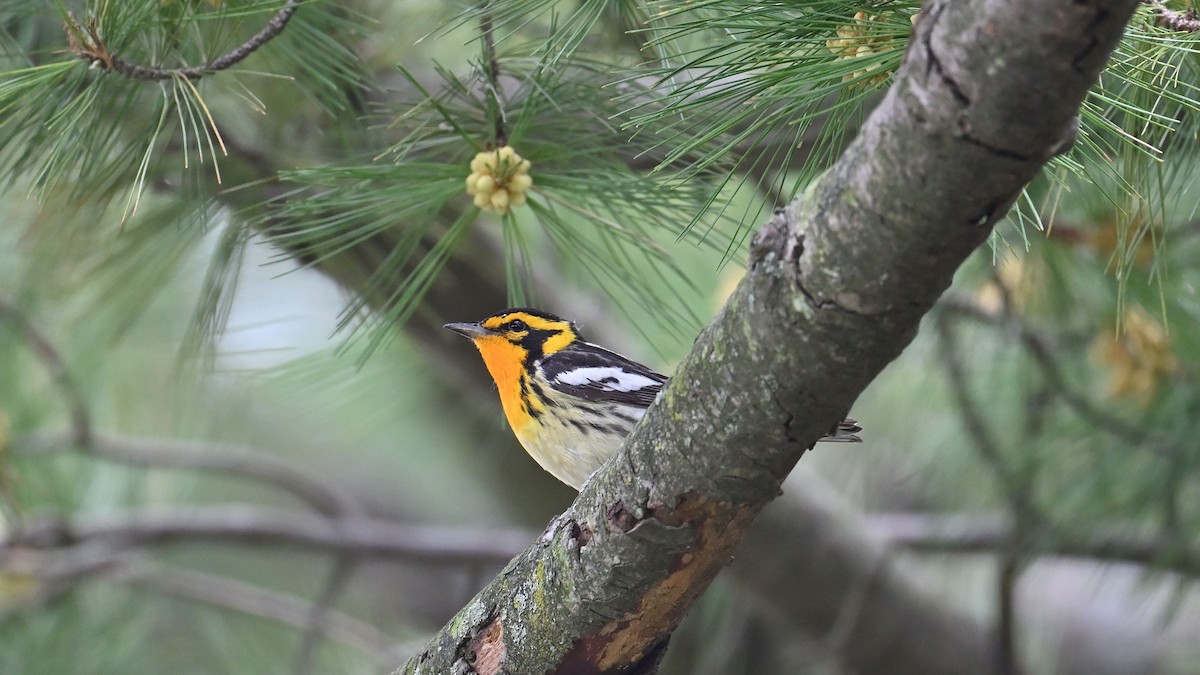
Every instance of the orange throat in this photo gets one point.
(506, 363)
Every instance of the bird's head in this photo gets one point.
(518, 333)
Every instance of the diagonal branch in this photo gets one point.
(45, 351)
(837, 286)
(825, 570)
(338, 579)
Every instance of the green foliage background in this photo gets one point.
(249, 259)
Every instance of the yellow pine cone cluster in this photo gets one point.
(855, 40)
(499, 180)
(1139, 358)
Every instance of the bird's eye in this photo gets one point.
(517, 326)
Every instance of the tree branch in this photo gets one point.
(52, 361)
(491, 67)
(86, 42)
(246, 463)
(250, 526)
(827, 570)
(249, 463)
(336, 582)
(1039, 347)
(384, 539)
(988, 534)
(1184, 22)
(59, 569)
(260, 602)
(1017, 486)
(837, 286)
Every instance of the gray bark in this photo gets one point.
(837, 285)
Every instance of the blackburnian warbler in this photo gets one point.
(570, 403)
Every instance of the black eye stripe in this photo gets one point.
(517, 325)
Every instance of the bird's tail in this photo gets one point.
(845, 431)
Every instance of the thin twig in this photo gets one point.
(849, 614)
(986, 443)
(1016, 490)
(321, 609)
(260, 602)
(61, 569)
(1006, 601)
(244, 462)
(1038, 347)
(492, 67)
(252, 465)
(47, 353)
(85, 41)
(264, 528)
(934, 533)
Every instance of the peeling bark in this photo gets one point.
(837, 285)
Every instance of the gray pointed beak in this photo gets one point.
(471, 330)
